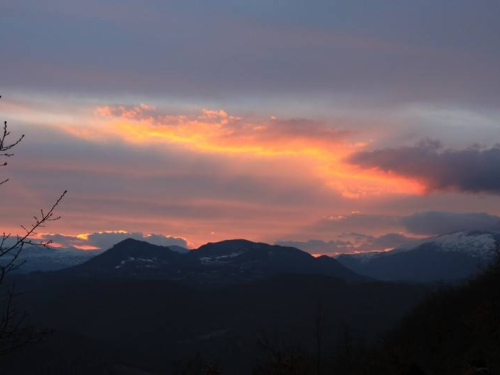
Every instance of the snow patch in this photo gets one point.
(221, 259)
(132, 259)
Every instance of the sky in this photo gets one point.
(334, 126)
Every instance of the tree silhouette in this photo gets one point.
(14, 332)
(280, 357)
(319, 331)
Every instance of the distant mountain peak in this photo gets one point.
(478, 244)
(130, 242)
(452, 256)
(133, 244)
(129, 256)
(232, 243)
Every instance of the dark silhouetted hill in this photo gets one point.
(455, 331)
(231, 261)
(167, 322)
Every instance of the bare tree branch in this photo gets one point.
(15, 333)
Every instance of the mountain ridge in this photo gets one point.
(229, 261)
(447, 257)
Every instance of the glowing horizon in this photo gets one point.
(252, 122)
(256, 147)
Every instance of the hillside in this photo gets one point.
(454, 331)
(108, 320)
(226, 262)
(449, 257)
(167, 322)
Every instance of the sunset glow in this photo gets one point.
(313, 185)
(252, 129)
(321, 146)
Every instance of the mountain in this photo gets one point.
(231, 261)
(143, 307)
(129, 258)
(447, 257)
(247, 260)
(178, 249)
(53, 259)
(49, 259)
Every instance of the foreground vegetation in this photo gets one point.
(456, 330)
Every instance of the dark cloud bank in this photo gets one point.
(282, 48)
(436, 222)
(473, 170)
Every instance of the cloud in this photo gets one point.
(106, 240)
(319, 246)
(389, 241)
(157, 188)
(163, 180)
(365, 232)
(350, 243)
(232, 169)
(436, 222)
(217, 130)
(235, 51)
(472, 170)
(319, 145)
(372, 224)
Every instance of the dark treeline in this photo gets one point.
(455, 330)
(163, 327)
(288, 325)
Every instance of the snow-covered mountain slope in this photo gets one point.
(49, 259)
(475, 244)
(447, 257)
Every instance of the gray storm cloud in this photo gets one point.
(106, 240)
(472, 170)
(290, 48)
(436, 222)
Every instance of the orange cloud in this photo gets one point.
(217, 131)
(106, 239)
(323, 146)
